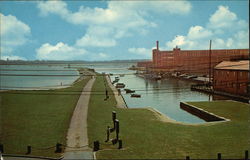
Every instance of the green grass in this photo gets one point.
(144, 136)
(37, 118)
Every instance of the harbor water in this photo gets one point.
(22, 77)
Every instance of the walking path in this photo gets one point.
(119, 99)
(77, 137)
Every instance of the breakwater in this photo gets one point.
(207, 116)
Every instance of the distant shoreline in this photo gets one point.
(36, 62)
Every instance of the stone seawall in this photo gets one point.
(209, 117)
(121, 103)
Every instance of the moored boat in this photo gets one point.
(129, 91)
(136, 95)
(120, 85)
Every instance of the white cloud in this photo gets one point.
(114, 12)
(141, 51)
(198, 32)
(95, 41)
(224, 29)
(14, 33)
(124, 18)
(97, 36)
(12, 58)
(173, 7)
(55, 7)
(183, 42)
(60, 51)
(222, 18)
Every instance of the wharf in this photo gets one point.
(197, 79)
(209, 90)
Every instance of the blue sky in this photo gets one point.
(109, 30)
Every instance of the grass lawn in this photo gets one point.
(144, 136)
(37, 118)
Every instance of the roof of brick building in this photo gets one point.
(233, 65)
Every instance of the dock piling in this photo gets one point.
(1, 148)
(28, 149)
(246, 155)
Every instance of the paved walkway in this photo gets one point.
(119, 99)
(77, 137)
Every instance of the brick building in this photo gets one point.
(232, 77)
(145, 64)
(193, 61)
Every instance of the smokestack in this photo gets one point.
(157, 45)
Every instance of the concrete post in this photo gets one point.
(28, 149)
(246, 155)
(1, 148)
(219, 156)
(114, 117)
(117, 128)
(108, 132)
(96, 145)
(119, 144)
(58, 148)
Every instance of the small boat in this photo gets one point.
(129, 91)
(120, 85)
(122, 75)
(157, 77)
(192, 76)
(115, 81)
(136, 95)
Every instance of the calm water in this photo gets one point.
(24, 82)
(164, 95)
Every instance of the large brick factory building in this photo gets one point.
(191, 61)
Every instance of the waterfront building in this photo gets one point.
(145, 64)
(232, 77)
(192, 61)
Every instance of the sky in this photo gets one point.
(118, 30)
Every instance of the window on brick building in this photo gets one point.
(234, 85)
(240, 74)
